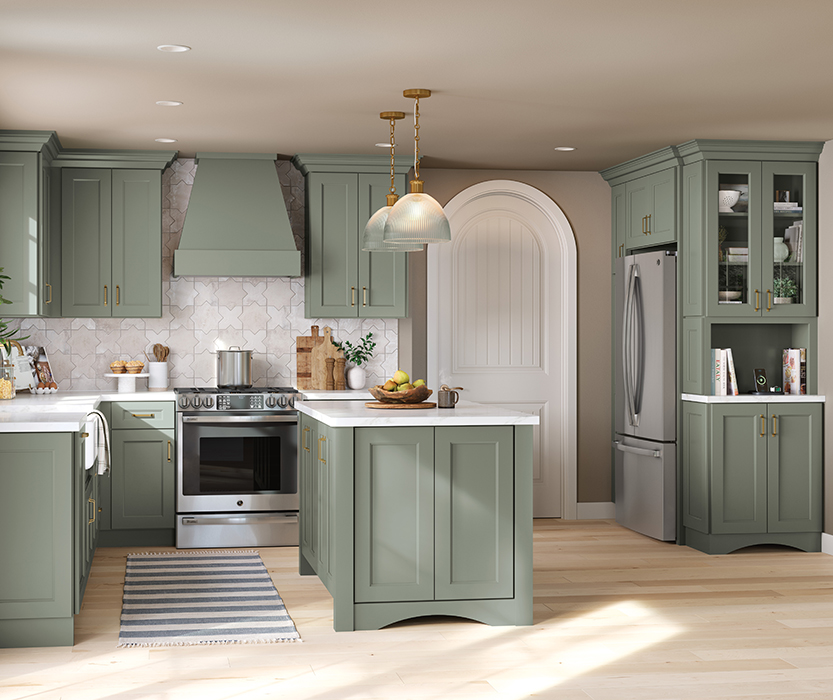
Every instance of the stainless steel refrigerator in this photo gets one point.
(646, 394)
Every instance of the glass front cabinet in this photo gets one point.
(761, 230)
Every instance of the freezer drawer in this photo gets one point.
(646, 487)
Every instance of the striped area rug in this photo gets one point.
(203, 597)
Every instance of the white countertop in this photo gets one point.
(344, 395)
(353, 414)
(63, 411)
(756, 398)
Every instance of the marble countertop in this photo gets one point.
(64, 411)
(344, 395)
(756, 398)
(353, 414)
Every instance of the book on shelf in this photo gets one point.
(791, 370)
(732, 376)
(731, 258)
(794, 238)
(737, 251)
(724, 379)
(785, 205)
(791, 210)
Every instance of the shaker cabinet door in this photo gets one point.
(86, 243)
(394, 514)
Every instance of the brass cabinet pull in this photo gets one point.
(769, 300)
(621, 250)
(352, 296)
(118, 296)
(91, 520)
(649, 224)
(304, 439)
(85, 435)
(364, 296)
(323, 461)
(169, 450)
(49, 287)
(143, 415)
(757, 300)
(644, 221)
(774, 425)
(763, 425)
(105, 295)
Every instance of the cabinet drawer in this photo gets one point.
(139, 415)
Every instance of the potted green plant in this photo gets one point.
(784, 290)
(358, 355)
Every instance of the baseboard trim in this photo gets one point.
(826, 543)
(602, 510)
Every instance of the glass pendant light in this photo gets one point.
(373, 239)
(417, 217)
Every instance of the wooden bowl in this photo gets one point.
(417, 395)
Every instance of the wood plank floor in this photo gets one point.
(617, 617)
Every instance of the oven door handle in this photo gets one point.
(293, 418)
(240, 519)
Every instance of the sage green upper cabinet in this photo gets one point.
(651, 203)
(762, 260)
(341, 280)
(112, 242)
(645, 208)
(27, 253)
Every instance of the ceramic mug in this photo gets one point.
(446, 398)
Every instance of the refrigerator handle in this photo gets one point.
(642, 452)
(639, 335)
(628, 345)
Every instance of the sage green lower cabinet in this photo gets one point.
(142, 480)
(139, 506)
(46, 537)
(419, 521)
(752, 474)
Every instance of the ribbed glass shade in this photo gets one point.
(417, 218)
(373, 238)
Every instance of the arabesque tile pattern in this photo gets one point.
(203, 314)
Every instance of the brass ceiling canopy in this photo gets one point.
(392, 115)
(416, 93)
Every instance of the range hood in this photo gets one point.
(236, 224)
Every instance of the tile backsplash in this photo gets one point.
(204, 314)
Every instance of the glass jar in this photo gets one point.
(7, 379)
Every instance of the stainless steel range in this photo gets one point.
(237, 467)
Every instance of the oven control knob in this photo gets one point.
(183, 402)
(239, 503)
(196, 402)
(208, 402)
(271, 401)
(283, 401)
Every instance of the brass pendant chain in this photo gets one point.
(392, 151)
(416, 137)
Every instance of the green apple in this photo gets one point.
(389, 385)
(419, 382)
(401, 377)
(405, 387)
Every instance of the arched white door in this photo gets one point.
(502, 321)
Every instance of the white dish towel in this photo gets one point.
(102, 440)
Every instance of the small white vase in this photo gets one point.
(356, 377)
(780, 252)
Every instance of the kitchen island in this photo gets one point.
(407, 513)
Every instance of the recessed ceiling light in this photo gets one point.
(565, 148)
(384, 145)
(168, 103)
(165, 140)
(173, 48)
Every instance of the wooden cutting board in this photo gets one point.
(379, 404)
(304, 345)
(318, 360)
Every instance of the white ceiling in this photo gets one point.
(511, 80)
